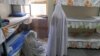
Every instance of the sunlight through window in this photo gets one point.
(38, 9)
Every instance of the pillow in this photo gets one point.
(17, 14)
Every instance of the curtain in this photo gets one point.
(58, 33)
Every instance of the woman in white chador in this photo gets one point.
(57, 41)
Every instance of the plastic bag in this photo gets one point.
(32, 47)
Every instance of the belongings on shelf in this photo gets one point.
(3, 22)
(82, 28)
(70, 2)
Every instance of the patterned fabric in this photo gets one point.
(87, 3)
(84, 44)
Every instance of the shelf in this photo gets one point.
(13, 21)
(84, 48)
(16, 20)
(88, 19)
(92, 38)
(92, 41)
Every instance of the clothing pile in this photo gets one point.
(33, 47)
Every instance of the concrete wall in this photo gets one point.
(5, 10)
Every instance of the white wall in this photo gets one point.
(50, 6)
(4, 10)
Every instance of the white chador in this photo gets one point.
(58, 33)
